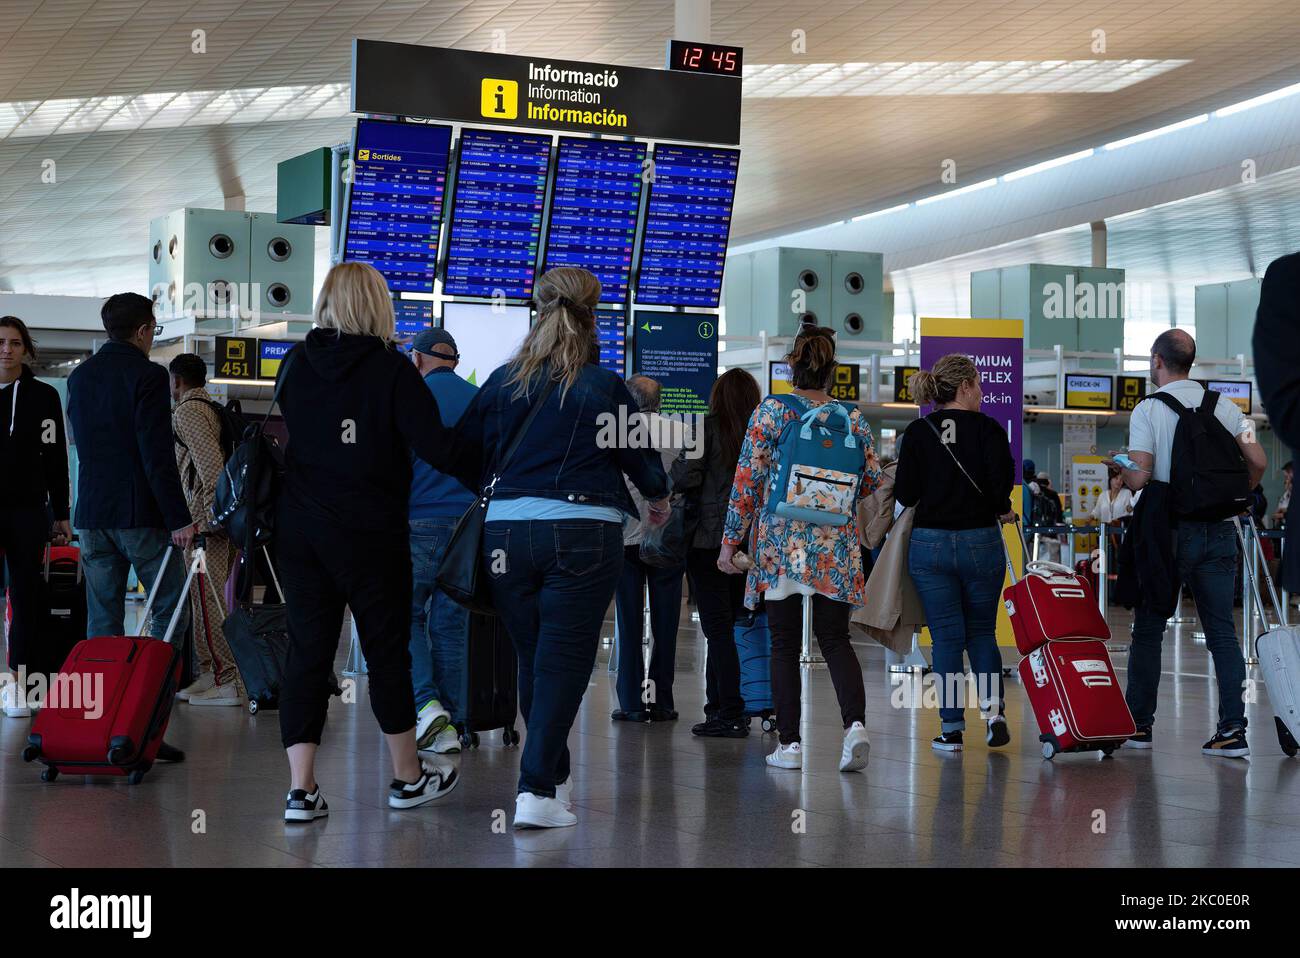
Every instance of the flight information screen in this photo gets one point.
(688, 220)
(399, 179)
(594, 207)
(414, 316)
(611, 333)
(496, 216)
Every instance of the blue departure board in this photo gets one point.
(496, 215)
(414, 316)
(594, 206)
(399, 178)
(688, 221)
(611, 333)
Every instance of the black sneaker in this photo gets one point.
(623, 715)
(435, 781)
(302, 807)
(1229, 743)
(1141, 739)
(947, 742)
(721, 728)
(999, 734)
(663, 715)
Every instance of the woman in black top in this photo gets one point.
(354, 408)
(33, 488)
(955, 467)
(706, 482)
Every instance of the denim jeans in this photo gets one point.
(552, 581)
(439, 626)
(1206, 557)
(106, 557)
(665, 610)
(958, 575)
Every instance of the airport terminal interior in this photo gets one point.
(1045, 186)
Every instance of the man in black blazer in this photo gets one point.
(128, 489)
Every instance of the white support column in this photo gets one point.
(692, 20)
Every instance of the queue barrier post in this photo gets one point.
(356, 663)
(807, 656)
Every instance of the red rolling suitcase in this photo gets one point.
(1076, 697)
(1072, 687)
(106, 712)
(1052, 602)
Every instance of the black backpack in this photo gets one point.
(232, 421)
(249, 484)
(1208, 478)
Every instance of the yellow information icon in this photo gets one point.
(499, 99)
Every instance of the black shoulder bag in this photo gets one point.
(459, 574)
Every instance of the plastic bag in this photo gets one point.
(664, 546)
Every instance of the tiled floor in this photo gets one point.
(655, 795)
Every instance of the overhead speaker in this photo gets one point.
(282, 264)
(857, 295)
(198, 260)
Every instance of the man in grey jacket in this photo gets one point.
(643, 699)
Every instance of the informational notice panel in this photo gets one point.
(680, 352)
(998, 348)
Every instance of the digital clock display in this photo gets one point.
(704, 58)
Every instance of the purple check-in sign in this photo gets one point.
(998, 348)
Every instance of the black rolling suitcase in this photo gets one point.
(258, 636)
(491, 680)
(63, 611)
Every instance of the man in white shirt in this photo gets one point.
(1205, 552)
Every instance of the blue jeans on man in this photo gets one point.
(1206, 557)
(958, 574)
(439, 626)
(107, 555)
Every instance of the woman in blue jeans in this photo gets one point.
(553, 547)
(955, 468)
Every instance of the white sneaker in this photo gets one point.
(787, 756)
(431, 720)
(218, 695)
(535, 811)
(204, 682)
(564, 793)
(13, 701)
(436, 780)
(856, 750)
(446, 742)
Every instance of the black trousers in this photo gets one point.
(831, 627)
(665, 610)
(322, 570)
(23, 534)
(720, 599)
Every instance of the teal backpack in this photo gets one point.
(817, 466)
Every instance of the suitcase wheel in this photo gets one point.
(1108, 750)
(769, 723)
(136, 777)
(252, 706)
(510, 737)
(30, 753)
(1049, 746)
(118, 755)
(1284, 738)
(49, 774)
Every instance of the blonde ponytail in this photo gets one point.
(564, 334)
(940, 384)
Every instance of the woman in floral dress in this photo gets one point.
(794, 559)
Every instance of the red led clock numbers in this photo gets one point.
(704, 58)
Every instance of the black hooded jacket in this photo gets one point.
(354, 408)
(33, 447)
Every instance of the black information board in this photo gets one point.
(399, 178)
(688, 221)
(680, 352)
(496, 215)
(467, 86)
(594, 207)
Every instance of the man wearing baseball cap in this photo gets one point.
(439, 627)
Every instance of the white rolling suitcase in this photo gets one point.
(1278, 651)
